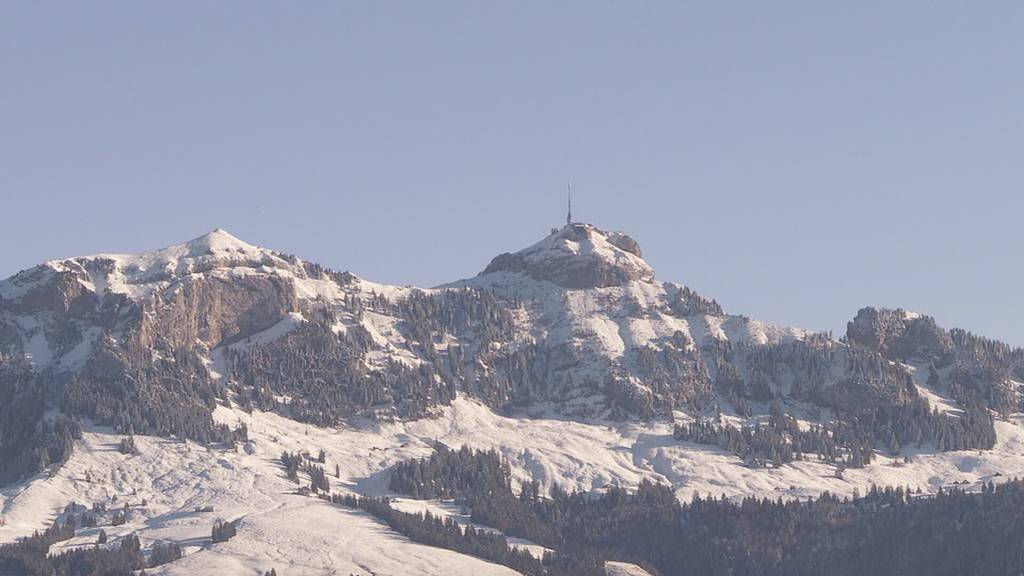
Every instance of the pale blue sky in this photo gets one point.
(794, 160)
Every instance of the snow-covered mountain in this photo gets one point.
(570, 320)
(569, 357)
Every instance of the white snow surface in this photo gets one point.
(138, 275)
(447, 509)
(564, 244)
(303, 535)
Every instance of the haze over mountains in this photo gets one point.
(569, 357)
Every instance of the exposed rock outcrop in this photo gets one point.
(898, 334)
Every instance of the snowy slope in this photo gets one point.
(136, 275)
(174, 478)
(601, 324)
(584, 295)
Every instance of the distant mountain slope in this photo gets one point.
(569, 358)
(575, 325)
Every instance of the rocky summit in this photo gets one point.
(579, 256)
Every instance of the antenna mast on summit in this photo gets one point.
(568, 216)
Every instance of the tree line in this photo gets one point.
(850, 442)
(441, 532)
(890, 531)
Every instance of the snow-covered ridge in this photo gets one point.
(137, 275)
(218, 253)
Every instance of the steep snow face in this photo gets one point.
(579, 256)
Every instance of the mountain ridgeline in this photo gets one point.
(151, 343)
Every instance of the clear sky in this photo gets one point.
(794, 160)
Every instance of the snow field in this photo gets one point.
(169, 480)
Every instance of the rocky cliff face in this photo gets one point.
(576, 323)
(973, 369)
(125, 339)
(899, 334)
(217, 310)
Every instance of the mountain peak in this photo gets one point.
(579, 255)
(218, 240)
(139, 273)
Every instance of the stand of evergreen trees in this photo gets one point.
(29, 440)
(980, 370)
(451, 474)
(849, 441)
(163, 552)
(161, 389)
(446, 533)
(873, 401)
(30, 556)
(223, 531)
(887, 532)
(970, 368)
(301, 461)
(323, 374)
